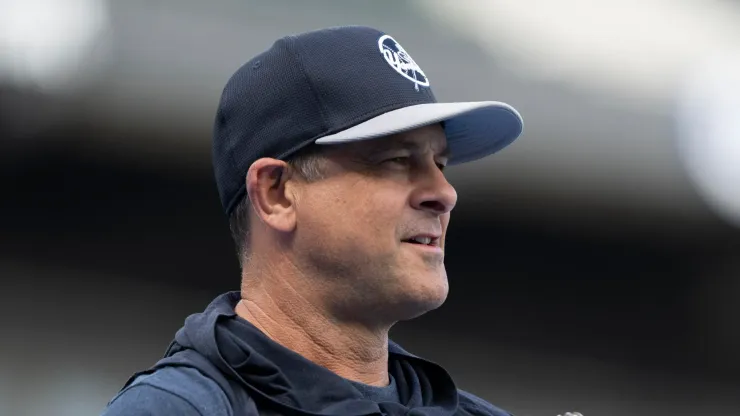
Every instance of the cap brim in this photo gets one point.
(473, 129)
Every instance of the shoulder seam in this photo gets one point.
(476, 403)
(144, 383)
(482, 409)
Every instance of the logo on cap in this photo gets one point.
(401, 61)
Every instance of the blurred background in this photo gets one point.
(594, 264)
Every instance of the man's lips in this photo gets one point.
(431, 240)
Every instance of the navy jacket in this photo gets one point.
(221, 365)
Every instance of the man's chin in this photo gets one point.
(418, 309)
(422, 300)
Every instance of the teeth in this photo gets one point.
(423, 240)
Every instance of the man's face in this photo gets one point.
(374, 228)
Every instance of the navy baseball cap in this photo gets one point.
(339, 85)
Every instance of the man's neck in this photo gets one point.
(285, 313)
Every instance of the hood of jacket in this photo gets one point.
(272, 373)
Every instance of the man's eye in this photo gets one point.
(400, 160)
(441, 166)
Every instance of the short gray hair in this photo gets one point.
(307, 164)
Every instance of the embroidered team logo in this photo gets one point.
(401, 61)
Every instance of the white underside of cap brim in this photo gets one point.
(473, 129)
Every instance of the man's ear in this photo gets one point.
(270, 200)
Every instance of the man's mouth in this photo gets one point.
(425, 240)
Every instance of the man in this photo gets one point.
(329, 150)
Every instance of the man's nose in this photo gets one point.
(434, 193)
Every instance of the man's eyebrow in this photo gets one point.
(407, 145)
